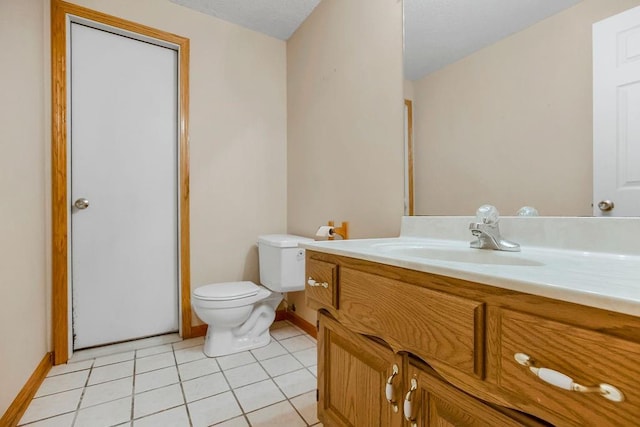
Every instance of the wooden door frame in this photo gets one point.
(409, 166)
(60, 202)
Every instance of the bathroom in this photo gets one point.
(271, 151)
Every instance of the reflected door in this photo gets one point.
(616, 113)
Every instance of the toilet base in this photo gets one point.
(223, 343)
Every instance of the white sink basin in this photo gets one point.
(464, 255)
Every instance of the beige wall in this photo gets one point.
(23, 325)
(345, 109)
(511, 125)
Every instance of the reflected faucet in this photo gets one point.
(486, 230)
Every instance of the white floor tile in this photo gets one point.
(296, 383)
(188, 343)
(59, 421)
(111, 372)
(307, 406)
(70, 367)
(106, 392)
(189, 354)
(176, 417)
(54, 404)
(63, 382)
(206, 386)
(113, 358)
(198, 368)
(301, 342)
(107, 414)
(286, 332)
(150, 351)
(258, 395)
(156, 379)
(308, 357)
(281, 365)
(236, 422)
(313, 370)
(280, 414)
(235, 360)
(247, 374)
(157, 361)
(213, 410)
(273, 349)
(157, 400)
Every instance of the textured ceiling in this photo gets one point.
(276, 18)
(440, 32)
(437, 32)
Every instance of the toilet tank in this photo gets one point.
(282, 262)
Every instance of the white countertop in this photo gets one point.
(608, 281)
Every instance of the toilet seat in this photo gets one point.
(226, 291)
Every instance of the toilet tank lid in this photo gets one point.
(282, 240)
(226, 291)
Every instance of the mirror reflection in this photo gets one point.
(502, 104)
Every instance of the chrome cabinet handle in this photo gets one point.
(81, 203)
(408, 405)
(388, 390)
(315, 284)
(606, 205)
(565, 382)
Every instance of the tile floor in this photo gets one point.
(164, 381)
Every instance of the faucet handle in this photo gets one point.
(487, 214)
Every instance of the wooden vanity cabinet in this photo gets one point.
(457, 341)
(436, 403)
(352, 378)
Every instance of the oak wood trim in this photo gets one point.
(59, 197)
(281, 315)
(302, 324)
(17, 408)
(199, 330)
(409, 104)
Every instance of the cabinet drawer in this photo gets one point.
(321, 283)
(430, 324)
(589, 358)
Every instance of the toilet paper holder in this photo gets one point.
(330, 230)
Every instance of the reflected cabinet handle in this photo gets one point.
(315, 284)
(408, 405)
(565, 382)
(388, 390)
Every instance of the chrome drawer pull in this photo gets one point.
(315, 284)
(388, 390)
(565, 382)
(408, 406)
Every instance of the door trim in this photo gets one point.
(60, 10)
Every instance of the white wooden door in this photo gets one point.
(124, 163)
(616, 115)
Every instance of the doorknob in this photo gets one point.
(81, 204)
(606, 205)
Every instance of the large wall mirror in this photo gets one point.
(502, 103)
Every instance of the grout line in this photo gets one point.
(86, 384)
(184, 396)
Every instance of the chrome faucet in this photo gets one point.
(486, 230)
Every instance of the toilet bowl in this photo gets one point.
(239, 314)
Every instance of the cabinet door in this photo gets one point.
(353, 372)
(431, 402)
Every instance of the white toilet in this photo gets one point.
(239, 314)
